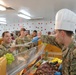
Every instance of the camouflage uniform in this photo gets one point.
(4, 48)
(50, 40)
(20, 40)
(69, 55)
(69, 60)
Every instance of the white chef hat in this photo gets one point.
(65, 20)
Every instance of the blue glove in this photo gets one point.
(57, 73)
(35, 39)
(60, 67)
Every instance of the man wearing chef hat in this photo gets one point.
(64, 29)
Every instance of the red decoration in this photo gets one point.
(38, 23)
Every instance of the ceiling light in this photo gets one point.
(2, 8)
(24, 16)
(1, 2)
(3, 19)
(3, 22)
(24, 12)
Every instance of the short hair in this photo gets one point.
(3, 34)
(11, 34)
(23, 29)
(69, 33)
(35, 31)
(49, 33)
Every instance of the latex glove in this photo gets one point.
(57, 73)
(35, 39)
(60, 67)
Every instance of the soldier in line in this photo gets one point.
(6, 43)
(22, 39)
(34, 34)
